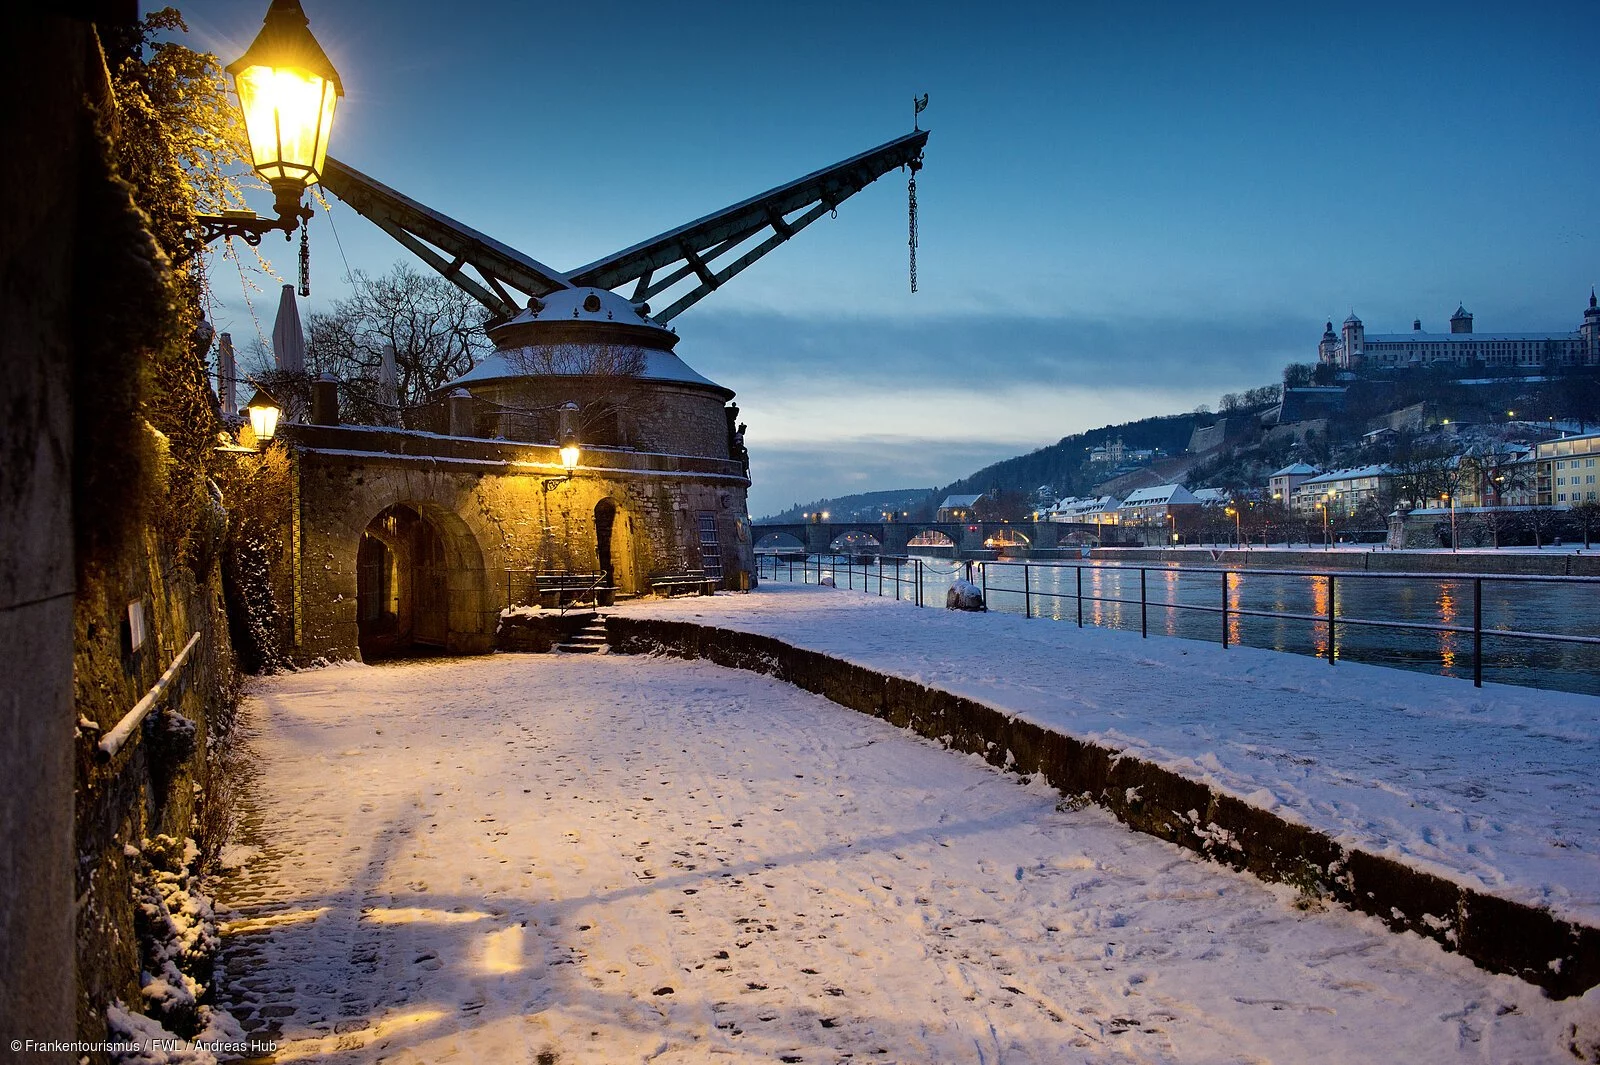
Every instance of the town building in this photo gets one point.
(1281, 485)
(1162, 504)
(1096, 510)
(959, 508)
(1343, 492)
(1353, 348)
(1568, 470)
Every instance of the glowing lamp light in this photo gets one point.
(287, 89)
(264, 412)
(569, 454)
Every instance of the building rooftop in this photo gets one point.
(1156, 495)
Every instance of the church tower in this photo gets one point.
(1591, 332)
(1328, 349)
(1355, 342)
(1461, 321)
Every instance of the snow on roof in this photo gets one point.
(1350, 474)
(658, 366)
(1212, 495)
(1297, 469)
(584, 305)
(960, 502)
(1159, 494)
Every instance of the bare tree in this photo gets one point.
(1587, 515)
(435, 330)
(601, 378)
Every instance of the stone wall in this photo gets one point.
(499, 507)
(655, 417)
(46, 61)
(1498, 935)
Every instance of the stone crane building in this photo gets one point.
(404, 539)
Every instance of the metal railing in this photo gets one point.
(112, 742)
(906, 578)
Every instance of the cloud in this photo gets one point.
(753, 350)
(856, 404)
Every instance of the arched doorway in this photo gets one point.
(613, 547)
(605, 520)
(420, 585)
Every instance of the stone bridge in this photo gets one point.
(968, 539)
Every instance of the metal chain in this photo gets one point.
(911, 190)
(305, 258)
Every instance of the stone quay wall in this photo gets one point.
(1497, 934)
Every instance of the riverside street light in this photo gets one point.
(287, 90)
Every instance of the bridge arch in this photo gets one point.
(1006, 537)
(780, 543)
(931, 538)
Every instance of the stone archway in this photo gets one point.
(421, 586)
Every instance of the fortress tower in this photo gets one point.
(1355, 342)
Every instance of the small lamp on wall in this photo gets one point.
(569, 438)
(264, 412)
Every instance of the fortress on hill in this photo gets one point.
(1353, 348)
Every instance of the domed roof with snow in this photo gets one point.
(577, 332)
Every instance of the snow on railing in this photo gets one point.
(113, 740)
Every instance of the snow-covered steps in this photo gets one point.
(591, 639)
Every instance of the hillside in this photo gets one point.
(1064, 466)
(863, 506)
(1242, 454)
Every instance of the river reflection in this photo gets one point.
(1189, 604)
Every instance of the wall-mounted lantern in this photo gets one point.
(263, 411)
(287, 89)
(569, 437)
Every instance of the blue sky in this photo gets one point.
(1126, 209)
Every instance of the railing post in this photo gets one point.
(880, 576)
(1477, 632)
(1027, 598)
(1332, 637)
(1144, 622)
(984, 570)
(1225, 576)
(919, 580)
(1080, 596)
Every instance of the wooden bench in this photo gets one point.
(694, 582)
(573, 589)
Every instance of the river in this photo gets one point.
(1187, 602)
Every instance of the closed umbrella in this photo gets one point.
(388, 377)
(288, 338)
(227, 375)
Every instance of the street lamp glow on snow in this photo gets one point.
(287, 89)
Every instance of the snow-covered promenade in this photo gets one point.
(549, 858)
(1495, 788)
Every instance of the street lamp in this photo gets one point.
(287, 89)
(263, 411)
(1238, 529)
(569, 437)
(1327, 536)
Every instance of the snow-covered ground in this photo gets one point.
(1497, 788)
(553, 858)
